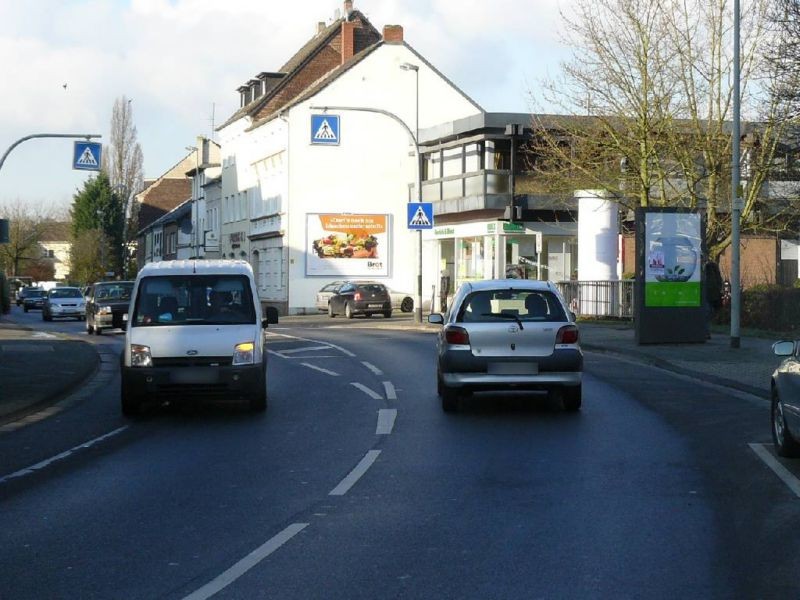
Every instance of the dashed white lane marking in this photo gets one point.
(372, 368)
(391, 393)
(41, 465)
(248, 562)
(306, 349)
(782, 472)
(386, 418)
(320, 369)
(356, 474)
(367, 391)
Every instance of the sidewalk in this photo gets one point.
(37, 369)
(748, 368)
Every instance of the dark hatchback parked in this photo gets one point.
(360, 298)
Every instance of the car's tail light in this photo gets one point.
(357, 296)
(567, 335)
(457, 336)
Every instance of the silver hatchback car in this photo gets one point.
(508, 334)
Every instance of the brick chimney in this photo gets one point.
(348, 40)
(393, 34)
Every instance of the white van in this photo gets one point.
(195, 332)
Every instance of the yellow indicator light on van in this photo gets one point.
(244, 353)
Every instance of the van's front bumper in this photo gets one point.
(219, 383)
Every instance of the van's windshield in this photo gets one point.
(193, 300)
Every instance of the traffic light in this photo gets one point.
(4, 238)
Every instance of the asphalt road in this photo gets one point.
(354, 484)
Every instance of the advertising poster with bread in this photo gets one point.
(348, 245)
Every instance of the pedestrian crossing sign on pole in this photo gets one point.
(325, 129)
(420, 215)
(86, 156)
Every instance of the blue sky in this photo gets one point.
(176, 59)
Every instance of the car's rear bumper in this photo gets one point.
(460, 368)
(371, 307)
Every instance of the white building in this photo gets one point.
(308, 202)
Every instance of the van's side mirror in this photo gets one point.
(271, 317)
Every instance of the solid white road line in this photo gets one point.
(41, 465)
(372, 368)
(248, 562)
(356, 474)
(386, 418)
(782, 472)
(320, 369)
(366, 390)
(391, 394)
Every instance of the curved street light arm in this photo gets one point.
(86, 136)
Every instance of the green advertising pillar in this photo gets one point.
(670, 295)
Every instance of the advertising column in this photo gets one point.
(669, 289)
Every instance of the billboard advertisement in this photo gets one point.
(673, 244)
(347, 245)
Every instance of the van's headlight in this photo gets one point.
(140, 356)
(104, 310)
(244, 354)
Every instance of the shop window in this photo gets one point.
(471, 258)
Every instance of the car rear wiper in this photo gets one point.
(506, 316)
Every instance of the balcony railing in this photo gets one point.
(599, 298)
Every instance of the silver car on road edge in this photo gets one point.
(508, 334)
(786, 400)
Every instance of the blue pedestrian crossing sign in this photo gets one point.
(325, 129)
(420, 215)
(86, 156)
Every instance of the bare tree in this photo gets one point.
(124, 164)
(648, 99)
(27, 224)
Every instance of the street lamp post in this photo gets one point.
(195, 186)
(418, 298)
(736, 201)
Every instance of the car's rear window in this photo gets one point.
(194, 300)
(372, 288)
(35, 294)
(496, 305)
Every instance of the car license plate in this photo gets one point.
(376, 305)
(506, 368)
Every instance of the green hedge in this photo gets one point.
(768, 307)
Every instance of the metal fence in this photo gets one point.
(599, 298)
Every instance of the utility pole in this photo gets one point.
(736, 199)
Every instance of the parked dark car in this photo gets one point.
(786, 400)
(33, 298)
(107, 305)
(360, 298)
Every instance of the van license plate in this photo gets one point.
(192, 375)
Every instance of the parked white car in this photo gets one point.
(195, 332)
